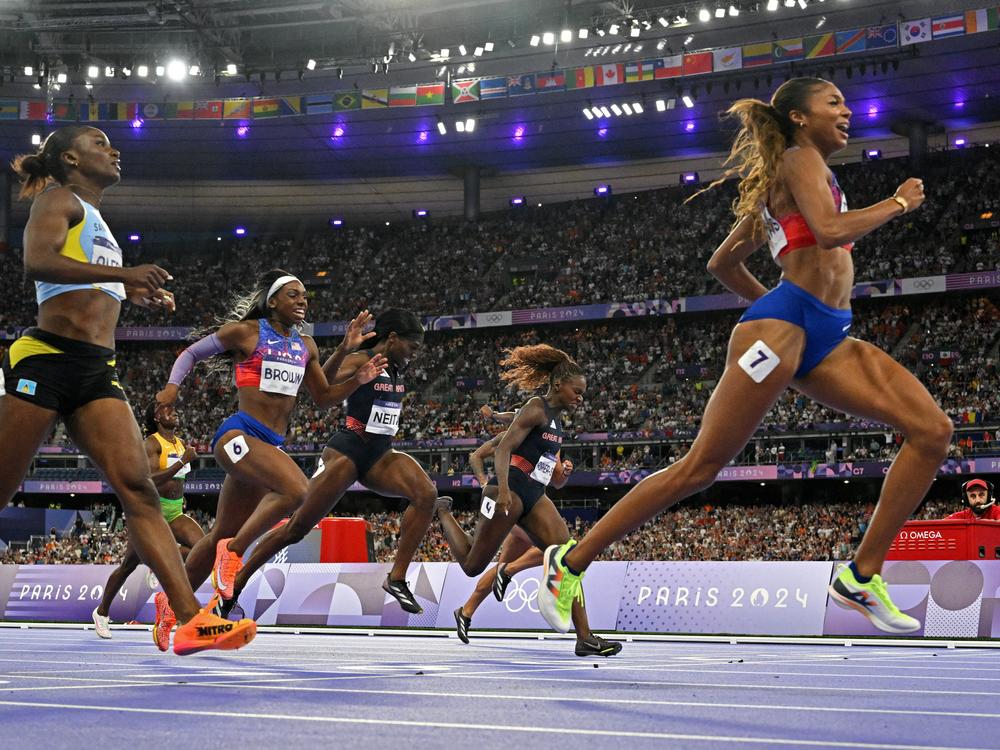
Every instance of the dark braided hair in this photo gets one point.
(35, 170)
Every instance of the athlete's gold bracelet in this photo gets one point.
(902, 203)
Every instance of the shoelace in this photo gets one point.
(878, 584)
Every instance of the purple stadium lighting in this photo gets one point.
(242, 131)
(240, 231)
(689, 126)
(338, 132)
(872, 154)
(872, 112)
(423, 136)
(602, 132)
(136, 123)
(689, 178)
(959, 104)
(420, 213)
(517, 201)
(336, 222)
(134, 237)
(959, 142)
(519, 133)
(602, 190)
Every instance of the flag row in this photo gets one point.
(466, 90)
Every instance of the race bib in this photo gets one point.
(777, 240)
(489, 507)
(384, 419)
(542, 472)
(181, 473)
(105, 253)
(281, 377)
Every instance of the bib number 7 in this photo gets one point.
(759, 361)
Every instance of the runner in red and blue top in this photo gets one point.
(272, 360)
(362, 451)
(792, 336)
(527, 459)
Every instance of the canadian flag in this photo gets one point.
(609, 75)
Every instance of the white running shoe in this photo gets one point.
(101, 625)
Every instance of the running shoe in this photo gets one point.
(402, 594)
(597, 646)
(463, 624)
(500, 582)
(559, 588)
(164, 622)
(101, 625)
(227, 565)
(207, 631)
(872, 600)
(226, 606)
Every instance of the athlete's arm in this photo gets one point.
(231, 337)
(529, 417)
(480, 454)
(503, 417)
(560, 475)
(727, 263)
(805, 173)
(153, 455)
(327, 394)
(52, 214)
(353, 338)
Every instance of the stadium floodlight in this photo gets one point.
(421, 213)
(535, 39)
(36, 139)
(587, 114)
(704, 16)
(688, 101)
(231, 69)
(460, 126)
(470, 124)
(613, 29)
(872, 154)
(637, 106)
(488, 46)
(176, 70)
(772, 5)
(626, 108)
(720, 12)
(661, 105)
(518, 201)
(134, 237)
(689, 178)
(336, 222)
(462, 51)
(477, 52)
(602, 190)
(662, 20)
(634, 32)
(61, 78)
(616, 109)
(310, 64)
(959, 142)
(93, 71)
(142, 71)
(566, 35)
(29, 70)
(583, 33)
(442, 128)
(548, 38)
(734, 11)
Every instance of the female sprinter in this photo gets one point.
(794, 335)
(66, 366)
(362, 451)
(527, 459)
(263, 484)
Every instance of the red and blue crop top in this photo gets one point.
(277, 365)
(791, 231)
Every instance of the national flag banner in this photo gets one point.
(89, 112)
(821, 45)
(639, 70)
(880, 37)
(374, 98)
(265, 108)
(210, 110)
(465, 90)
(850, 41)
(63, 111)
(236, 109)
(493, 88)
(755, 55)
(117, 111)
(945, 26)
(317, 104)
(147, 111)
(34, 110)
(609, 75)
(912, 32)
(985, 19)
(403, 96)
(696, 63)
(347, 100)
(521, 85)
(730, 58)
(290, 105)
(669, 67)
(580, 78)
(788, 49)
(430, 94)
(11, 110)
(546, 83)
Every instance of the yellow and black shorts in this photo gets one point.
(58, 373)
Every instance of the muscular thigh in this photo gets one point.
(106, 431)
(398, 474)
(254, 462)
(544, 524)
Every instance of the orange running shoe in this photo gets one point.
(208, 631)
(164, 623)
(227, 565)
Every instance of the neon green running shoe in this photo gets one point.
(872, 600)
(559, 588)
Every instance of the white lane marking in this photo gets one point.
(742, 740)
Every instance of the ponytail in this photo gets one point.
(531, 367)
(37, 169)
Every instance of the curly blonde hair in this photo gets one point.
(766, 131)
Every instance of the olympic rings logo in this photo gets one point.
(923, 283)
(520, 595)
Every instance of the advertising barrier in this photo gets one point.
(954, 599)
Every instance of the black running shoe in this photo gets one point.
(597, 646)
(501, 582)
(463, 624)
(402, 594)
(226, 606)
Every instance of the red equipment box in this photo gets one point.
(947, 540)
(345, 540)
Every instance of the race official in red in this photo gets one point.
(980, 502)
